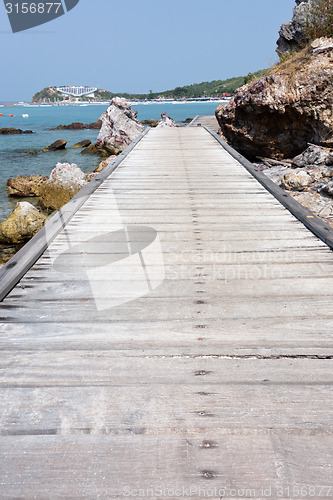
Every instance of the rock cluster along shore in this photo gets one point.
(80, 126)
(119, 127)
(308, 178)
(12, 131)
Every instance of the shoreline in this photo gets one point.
(106, 103)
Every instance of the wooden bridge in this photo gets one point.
(175, 338)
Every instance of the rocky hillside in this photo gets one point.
(293, 35)
(279, 114)
(48, 94)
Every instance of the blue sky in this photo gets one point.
(137, 46)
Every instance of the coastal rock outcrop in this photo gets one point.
(279, 114)
(292, 35)
(32, 185)
(64, 182)
(10, 131)
(80, 126)
(22, 224)
(119, 126)
(55, 146)
(167, 121)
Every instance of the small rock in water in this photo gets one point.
(82, 144)
(8, 131)
(79, 126)
(22, 224)
(55, 146)
(152, 123)
(96, 149)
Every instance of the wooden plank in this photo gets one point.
(261, 337)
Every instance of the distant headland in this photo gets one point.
(215, 89)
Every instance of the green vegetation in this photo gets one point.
(49, 94)
(320, 21)
(209, 89)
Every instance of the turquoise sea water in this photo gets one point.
(14, 160)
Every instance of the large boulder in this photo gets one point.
(32, 185)
(119, 126)
(167, 121)
(22, 224)
(292, 35)
(278, 115)
(64, 182)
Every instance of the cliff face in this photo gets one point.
(292, 35)
(279, 114)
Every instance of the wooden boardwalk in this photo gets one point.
(177, 334)
(205, 121)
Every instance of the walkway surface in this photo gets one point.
(176, 335)
(205, 121)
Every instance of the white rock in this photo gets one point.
(119, 124)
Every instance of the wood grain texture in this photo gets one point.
(214, 381)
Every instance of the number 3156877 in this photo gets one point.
(33, 8)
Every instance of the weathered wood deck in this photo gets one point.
(205, 121)
(176, 334)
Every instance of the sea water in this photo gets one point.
(15, 161)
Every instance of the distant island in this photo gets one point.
(215, 88)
